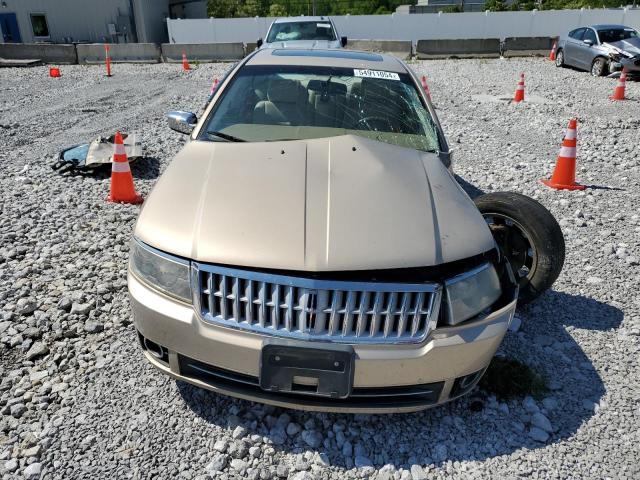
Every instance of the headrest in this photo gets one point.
(283, 90)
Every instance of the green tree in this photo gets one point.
(277, 10)
(495, 5)
(250, 8)
(221, 8)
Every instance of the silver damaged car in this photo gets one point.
(600, 49)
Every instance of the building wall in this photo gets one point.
(88, 20)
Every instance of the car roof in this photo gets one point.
(608, 26)
(301, 19)
(327, 58)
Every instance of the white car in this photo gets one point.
(302, 32)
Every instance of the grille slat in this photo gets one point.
(347, 312)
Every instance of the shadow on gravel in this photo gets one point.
(456, 431)
(471, 190)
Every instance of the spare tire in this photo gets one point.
(529, 237)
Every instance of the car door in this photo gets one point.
(571, 48)
(586, 53)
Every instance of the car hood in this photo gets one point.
(630, 45)
(340, 203)
(321, 44)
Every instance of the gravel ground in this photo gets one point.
(77, 400)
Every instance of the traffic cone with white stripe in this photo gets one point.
(552, 54)
(519, 95)
(564, 175)
(122, 189)
(185, 63)
(618, 93)
(425, 87)
(214, 86)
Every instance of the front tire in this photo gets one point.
(599, 67)
(560, 58)
(529, 236)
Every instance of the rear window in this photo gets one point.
(290, 31)
(577, 33)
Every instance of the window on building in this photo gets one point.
(39, 25)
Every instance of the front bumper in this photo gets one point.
(387, 378)
(631, 65)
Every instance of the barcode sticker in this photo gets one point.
(376, 74)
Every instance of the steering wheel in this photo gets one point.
(380, 121)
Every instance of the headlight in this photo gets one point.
(163, 272)
(468, 294)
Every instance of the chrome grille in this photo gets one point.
(337, 311)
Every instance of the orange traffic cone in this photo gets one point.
(122, 189)
(519, 95)
(425, 87)
(54, 72)
(618, 93)
(185, 62)
(214, 86)
(552, 54)
(564, 175)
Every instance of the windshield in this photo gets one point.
(268, 103)
(610, 35)
(287, 31)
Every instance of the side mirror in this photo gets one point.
(588, 42)
(343, 41)
(259, 43)
(182, 122)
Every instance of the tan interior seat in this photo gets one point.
(286, 104)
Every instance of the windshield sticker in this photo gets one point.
(376, 74)
(323, 25)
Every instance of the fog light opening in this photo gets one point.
(464, 384)
(154, 349)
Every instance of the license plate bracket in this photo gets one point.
(330, 367)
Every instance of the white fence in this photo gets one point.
(412, 27)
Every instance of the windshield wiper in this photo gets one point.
(224, 136)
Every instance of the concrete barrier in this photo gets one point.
(250, 47)
(119, 53)
(526, 46)
(398, 48)
(467, 48)
(45, 52)
(203, 52)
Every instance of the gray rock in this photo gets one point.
(25, 306)
(303, 476)
(18, 410)
(80, 308)
(312, 438)
(91, 326)
(293, 429)
(538, 434)
(221, 445)
(239, 432)
(38, 349)
(33, 471)
(218, 462)
(418, 473)
(361, 461)
(11, 465)
(238, 465)
(542, 422)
